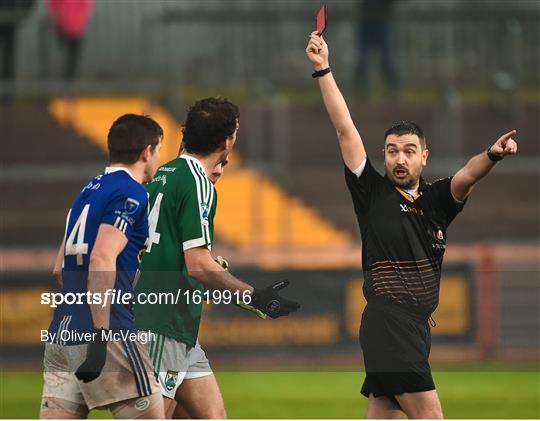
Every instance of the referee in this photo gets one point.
(403, 222)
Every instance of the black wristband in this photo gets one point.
(320, 73)
(493, 157)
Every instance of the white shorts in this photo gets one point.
(174, 361)
(127, 374)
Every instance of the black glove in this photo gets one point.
(225, 265)
(269, 302)
(96, 354)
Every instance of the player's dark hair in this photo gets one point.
(407, 127)
(129, 135)
(209, 123)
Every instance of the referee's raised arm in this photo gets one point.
(350, 142)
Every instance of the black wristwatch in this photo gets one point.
(493, 157)
(320, 73)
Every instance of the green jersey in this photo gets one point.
(182, 208)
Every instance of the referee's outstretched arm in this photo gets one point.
(480, 165)
(350, 142)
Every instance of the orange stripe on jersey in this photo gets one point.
(400, 261)
(397, 267)
(407, 195)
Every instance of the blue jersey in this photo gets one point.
(113, 198)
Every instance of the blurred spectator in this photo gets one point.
(375, 35)
(11, 14)
(71, 18)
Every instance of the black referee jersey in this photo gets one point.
(403, 238)
(403, 243)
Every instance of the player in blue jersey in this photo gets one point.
(94, 356)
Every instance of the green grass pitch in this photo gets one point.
(471, 394)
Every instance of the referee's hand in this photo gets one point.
(271, 303)
(505, 145)
(317, 51)
(96, 354)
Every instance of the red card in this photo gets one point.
(320, 20)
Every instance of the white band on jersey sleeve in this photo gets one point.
(358, 172)
(190, 244)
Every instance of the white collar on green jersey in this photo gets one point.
(109, 170)
(192, 158)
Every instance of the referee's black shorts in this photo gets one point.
(396, 348)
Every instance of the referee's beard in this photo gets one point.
(402, 176)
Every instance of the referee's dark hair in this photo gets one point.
(407, 127)
(129, 135)
(209, 123)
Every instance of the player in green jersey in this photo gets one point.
(178, 265)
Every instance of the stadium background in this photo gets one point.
(469, 71)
